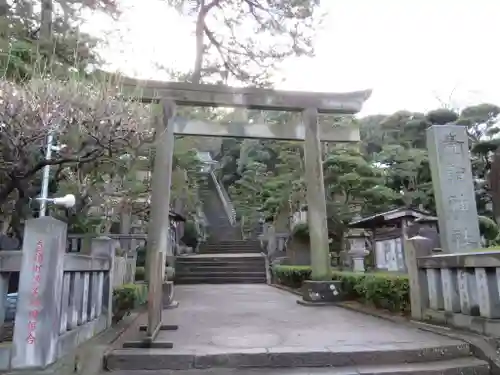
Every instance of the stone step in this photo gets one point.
(447, 359)
(228, 268)
(230, 251)
(220, 280)
(256, 242)
(234, 245)
(198, 273)
(219, 257)
(219, 261)
(220, 266)
(216, 266)
(229, 247)
(463, 366)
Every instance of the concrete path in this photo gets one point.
(221, 318)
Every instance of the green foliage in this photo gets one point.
(407, 168)
(389, 168)
(487, 249)
(126, 298)
(264, 178)
(141, 256)
(353, 186)
(188, 165)
(442, 116)
(190, 237)
(382, 290)
(26, 53)
(301, 232)
(489, 229)
(398, 143)
(291, 276)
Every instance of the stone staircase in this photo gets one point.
(221, 269)
(226, 258)
(231, 247)
(225, 262)
(219, 226)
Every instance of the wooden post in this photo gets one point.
(316, 202)
(159, 213)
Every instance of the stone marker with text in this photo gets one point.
(453, 186)
(39, 302)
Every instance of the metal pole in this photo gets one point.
(46, 175)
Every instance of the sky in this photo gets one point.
(414, 54)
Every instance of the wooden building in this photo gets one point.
(388, 230)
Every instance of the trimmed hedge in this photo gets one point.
(382, 290)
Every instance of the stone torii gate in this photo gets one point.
(310, 104)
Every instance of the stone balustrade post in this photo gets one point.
(106, 247)
(418, 279)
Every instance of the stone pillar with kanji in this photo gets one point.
(449, 160)
(38, 311)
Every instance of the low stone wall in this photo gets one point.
(461, 290)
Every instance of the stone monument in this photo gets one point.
(450, 165)
(39, 299)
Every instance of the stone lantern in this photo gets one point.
(358, 251)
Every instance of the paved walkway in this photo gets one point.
(221, 318)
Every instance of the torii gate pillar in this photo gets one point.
(316, 201)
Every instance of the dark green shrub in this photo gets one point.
(141, 256)
(383, 290)
(291, 276)
(126, 298)
(190, 237)
(301, 232)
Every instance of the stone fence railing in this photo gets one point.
(226, 201)
(462, 290)
(128, 242)
(63, 299)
